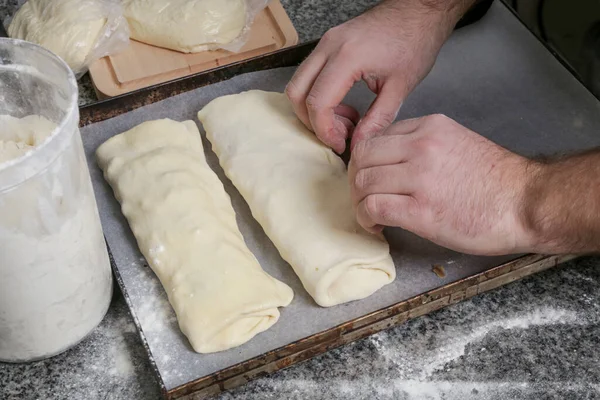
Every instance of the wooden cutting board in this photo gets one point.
(142, 65)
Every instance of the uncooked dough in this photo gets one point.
(298, 190)
(18, 136)
(185, 226)
(68, 28)
(188, 26)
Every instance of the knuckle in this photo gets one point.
(359, 153)
(346, 50)
(438, 118)
(426, 146)
(412, 207)
(329, 35)
(362, 180)
(378, 210)
(382, 120)
(372, 208)
(312, 102)
(326, 135)
(292, 91)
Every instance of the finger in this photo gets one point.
(328, 91)
(388, 210)
(348, 124)
(346, 111)
(386, 179)
(403, 127)
(381, 113)
(299, 86)
(381, 150)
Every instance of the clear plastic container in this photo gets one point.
(55, 276)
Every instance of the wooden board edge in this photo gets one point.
(367, 325)
(284, 23)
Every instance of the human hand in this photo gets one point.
(444, 182)
(392, 48)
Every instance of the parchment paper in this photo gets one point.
(494, 78)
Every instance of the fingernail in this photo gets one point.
(377, 229)
(339, 146)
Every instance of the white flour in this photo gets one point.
(18, 136)
(55, 278)
(399, 389)
(454, 344)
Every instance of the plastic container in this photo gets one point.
(55, 276)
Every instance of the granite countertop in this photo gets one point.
(533, 339)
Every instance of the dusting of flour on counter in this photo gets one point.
(422, 365)
(423, 360)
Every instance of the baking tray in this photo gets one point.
(514, 92)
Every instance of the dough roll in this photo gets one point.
(298, 190)
(185, 226)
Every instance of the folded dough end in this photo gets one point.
(237, 333)
(347, 283)
(244, 313)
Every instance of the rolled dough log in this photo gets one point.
(188, 26)
(185, 226)
(68, 28)
(298, 190)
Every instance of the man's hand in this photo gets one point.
(392, 48)
(445, 183)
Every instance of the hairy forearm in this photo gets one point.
(439, 16)
(453, 9)
(561, 205)
(455, 6)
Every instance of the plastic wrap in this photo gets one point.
(192, 26)
(78, 31)
(253, 7)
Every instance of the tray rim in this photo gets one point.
(341, 334)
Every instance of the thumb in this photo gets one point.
(381, 113)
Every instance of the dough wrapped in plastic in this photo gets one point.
(186, 229)
(191, 26)
(298, 190)
(78, 31)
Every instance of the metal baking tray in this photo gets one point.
(514, 92)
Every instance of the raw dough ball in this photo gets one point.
(189, 26)
(68, 28)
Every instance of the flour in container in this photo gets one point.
(55, 277)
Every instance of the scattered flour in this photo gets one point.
(457, 344)
(420, 366)
(364, 388)
(154, 311)
(122, 362)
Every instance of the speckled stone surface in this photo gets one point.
(538, 338)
